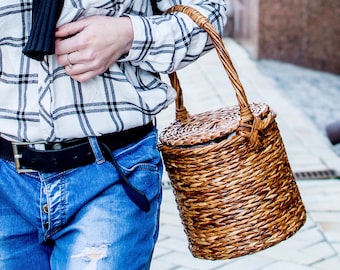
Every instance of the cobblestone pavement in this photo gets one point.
(316, 93)
(305, 101)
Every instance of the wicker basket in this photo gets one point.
(232, 181)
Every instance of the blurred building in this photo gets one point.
(301, 32)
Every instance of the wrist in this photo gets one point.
(127, 33)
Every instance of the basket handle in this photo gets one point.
(203, 22)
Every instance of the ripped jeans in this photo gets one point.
(81, 218)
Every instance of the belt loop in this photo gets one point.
(96, 149)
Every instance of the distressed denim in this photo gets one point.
(81, 218)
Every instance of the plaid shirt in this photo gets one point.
(39, 101)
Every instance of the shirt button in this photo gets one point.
(46, 224)
(45, 208)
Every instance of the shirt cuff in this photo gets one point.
(142, 41)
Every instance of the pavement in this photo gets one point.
(315, 162)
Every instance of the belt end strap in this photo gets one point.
(135, 195)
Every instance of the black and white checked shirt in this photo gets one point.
(39, 101)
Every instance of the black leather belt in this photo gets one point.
(75, 153)
(66, 155)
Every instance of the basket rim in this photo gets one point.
(212, 125)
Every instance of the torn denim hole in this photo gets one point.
(92, 255)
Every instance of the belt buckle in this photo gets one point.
(18, 156)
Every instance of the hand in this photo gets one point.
(88, 47)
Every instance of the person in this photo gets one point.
(80, 172)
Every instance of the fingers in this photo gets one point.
(67, 45)
(78, 61)
(93, 46)
(67, 59)
(75, 73)
(70, 29)
(80, 70)
(67, 38)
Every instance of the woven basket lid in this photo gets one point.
(208, 126)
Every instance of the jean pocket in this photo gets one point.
(142, 165)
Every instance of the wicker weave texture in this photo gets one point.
(234, 201)
(229, 170)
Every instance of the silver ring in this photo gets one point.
(70, 65)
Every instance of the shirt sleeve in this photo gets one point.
(164, 43)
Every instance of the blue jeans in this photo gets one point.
(81, 218)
